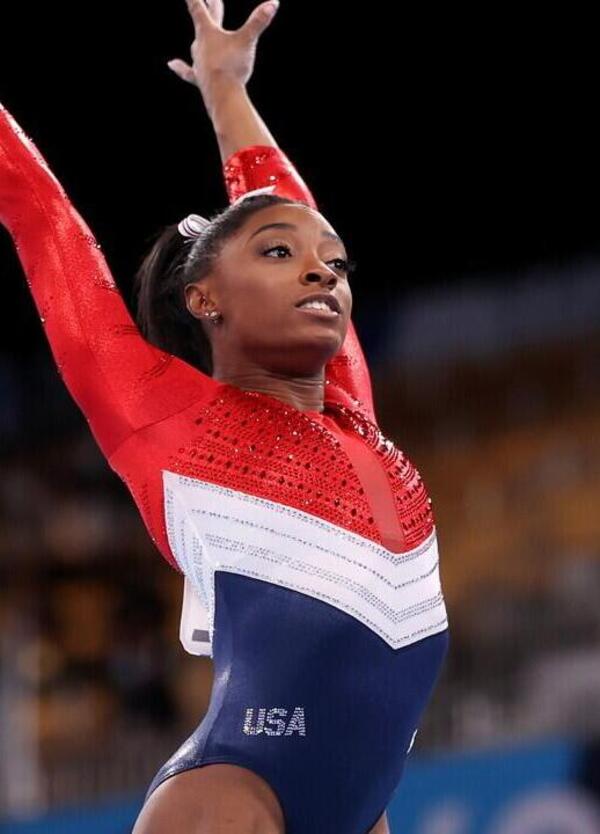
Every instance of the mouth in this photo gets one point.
(320, 314)
(325, 315)
(322, 305)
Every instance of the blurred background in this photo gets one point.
(456, 154)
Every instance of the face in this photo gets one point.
(281, 255)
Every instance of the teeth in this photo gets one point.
(318, 305)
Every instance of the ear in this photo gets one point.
(198, 298)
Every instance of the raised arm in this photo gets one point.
(118, 379)
(222, 65)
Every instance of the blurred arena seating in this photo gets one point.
(94, 680)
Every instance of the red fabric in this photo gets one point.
(119, 380)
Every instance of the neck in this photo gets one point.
(304, 393)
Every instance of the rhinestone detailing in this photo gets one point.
(211, 528)
(259, 167)
(412, 501)
(258, 445)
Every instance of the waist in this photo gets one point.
(289, 657)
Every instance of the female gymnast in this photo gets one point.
(241, 419)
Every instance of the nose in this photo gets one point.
(322, 275)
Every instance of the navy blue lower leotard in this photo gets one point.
(312, 701)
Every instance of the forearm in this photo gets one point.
(236, 122)
(109, 369)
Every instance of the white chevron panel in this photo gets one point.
(396, 595)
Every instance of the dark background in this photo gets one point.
(439, 143)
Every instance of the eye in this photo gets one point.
(340, 264)
(281, 247)
(343, 265)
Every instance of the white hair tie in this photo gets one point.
(268, 189)
(193, 225)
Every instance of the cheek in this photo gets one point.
(258, 302)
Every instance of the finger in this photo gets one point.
(199, 14)
(259, 19)
(183, 70)
(217, 11)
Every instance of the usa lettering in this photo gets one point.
(274, 722)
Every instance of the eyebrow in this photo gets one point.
(295, 229)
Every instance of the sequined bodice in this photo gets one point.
(259, 445)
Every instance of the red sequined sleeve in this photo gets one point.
(268, 168)
(119, 380)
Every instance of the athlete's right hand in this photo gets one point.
(220, 55)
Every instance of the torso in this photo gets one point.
(310, 540)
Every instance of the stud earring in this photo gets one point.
(214, 316)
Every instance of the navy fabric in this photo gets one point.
(361, 701)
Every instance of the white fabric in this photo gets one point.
(267, 189)
(209, 527)
(193, 630)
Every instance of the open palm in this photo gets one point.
(218, 53)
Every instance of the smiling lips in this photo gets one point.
(321, 304)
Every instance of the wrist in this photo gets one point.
(219, 89)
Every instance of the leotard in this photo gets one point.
(307, 540)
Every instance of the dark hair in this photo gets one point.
(174, 261)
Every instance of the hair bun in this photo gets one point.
(193, 225)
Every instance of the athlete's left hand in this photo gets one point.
(218, 54)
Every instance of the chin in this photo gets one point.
(305, 358)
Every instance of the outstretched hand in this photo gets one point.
(218, 54)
